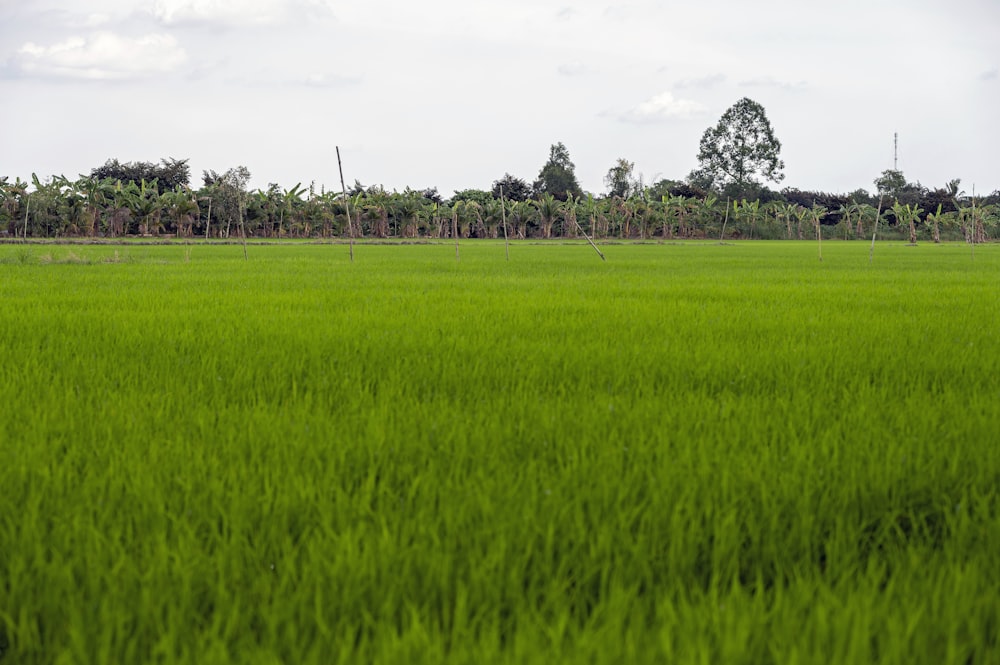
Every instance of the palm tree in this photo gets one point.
(493, 217)
(470, 219)
(376, 206)
(548, 212)
(408, 208)
(522, 214)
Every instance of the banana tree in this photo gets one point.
(289, 199)
(801, 215)
(706, 213)
(71, 207)
(143, 201)
(908, 214)
(678, 207)
(183, 208)
(935, 219)
(14, 198)
(749, 211)
(97, 193)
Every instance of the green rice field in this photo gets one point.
(690, 453)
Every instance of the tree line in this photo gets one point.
(725, 197)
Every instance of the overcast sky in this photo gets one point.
(454, 93)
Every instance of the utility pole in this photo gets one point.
(895, 151)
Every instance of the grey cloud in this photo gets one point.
(702, 82)
(990, 75)
(572, 69)
(769, 82)
(236, 12)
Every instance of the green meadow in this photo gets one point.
(690, 453)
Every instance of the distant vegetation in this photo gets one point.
(727, 195)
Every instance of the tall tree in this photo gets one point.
(558, 175)
(229, 194)
(739, 149)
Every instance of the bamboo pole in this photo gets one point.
(819, 235)
(27, 207)
(503, 215)
(208, 224)
(972, 219)
(878, 216)
(243, 229)
(599, 252)
(347, 204)
(725, 221)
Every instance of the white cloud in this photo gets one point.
(90, 21)
(662, 107)
(238, 12)
(990, 75)
(101, 56)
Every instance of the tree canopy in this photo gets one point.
(513, 189)
(169, 174)
(558, 175)
(620, 180)
(739, 149)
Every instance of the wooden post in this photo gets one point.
(347, 204)
(454, 229)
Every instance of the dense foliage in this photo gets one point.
(223, 208)
(692, 453)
